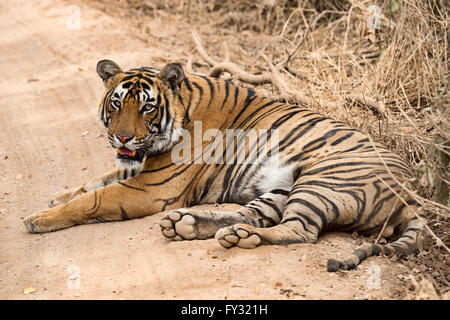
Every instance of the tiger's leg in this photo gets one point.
(308, 211)
(113, 176)
(111, 203)
(407, 243)
(190, 224)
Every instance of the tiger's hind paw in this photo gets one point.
(239, 235)
(178, 225)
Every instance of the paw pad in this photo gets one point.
(178, 225)
(237, 235)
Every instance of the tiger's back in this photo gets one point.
(309, 146)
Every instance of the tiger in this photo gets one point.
(304, 173)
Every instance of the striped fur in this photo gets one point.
(325, 176)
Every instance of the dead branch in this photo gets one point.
(372, 104)
(280, 83)
(219, 68)
(276, 78)
(240, 74)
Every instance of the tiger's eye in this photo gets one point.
(148, 108)
(116, 104)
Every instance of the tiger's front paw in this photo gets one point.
(64, 197)
(45, 221)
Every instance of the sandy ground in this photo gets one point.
(50, 140)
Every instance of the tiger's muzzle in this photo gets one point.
(129, 153)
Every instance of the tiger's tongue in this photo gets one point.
(126, 151)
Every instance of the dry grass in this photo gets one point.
(389, 80)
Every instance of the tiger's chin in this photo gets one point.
(130, 159)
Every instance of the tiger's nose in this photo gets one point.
(124, 139)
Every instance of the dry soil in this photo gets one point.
(50, 140)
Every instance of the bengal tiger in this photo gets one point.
(303, 174)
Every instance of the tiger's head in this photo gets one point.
(139, 110)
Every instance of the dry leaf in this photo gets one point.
(29, 290)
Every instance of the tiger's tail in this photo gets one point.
(403, 246)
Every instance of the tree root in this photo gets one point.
(276, 78)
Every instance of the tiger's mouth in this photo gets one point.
(129, 157)
(125, 152)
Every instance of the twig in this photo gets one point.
(189, 64)
(387, 220)
(369, 102)
(200, 49)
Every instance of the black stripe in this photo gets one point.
(387, 250)
(314, 209)
(188, 84)
(361, 254)
(273, 206)
(236, 95)
(123, 214)
(311, 124)
(329, 184)
(347, 171)
(199, 88)
(280, 191)
(261, 214)
(227, 88)
(211, 89)
(296, 219)
(408, 236)
(337, 165)
(378, 207)
(322, 198)
(348, 135)
(131, 187)
(375, 249)
(411, 229)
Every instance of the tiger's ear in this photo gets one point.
(172, 75)
(107, 69)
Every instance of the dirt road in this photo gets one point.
(51, 140)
